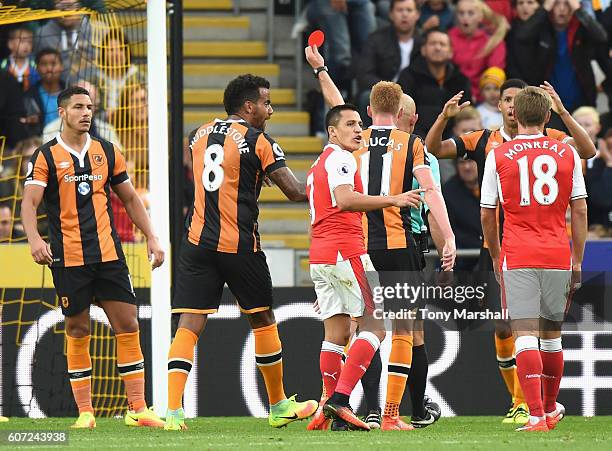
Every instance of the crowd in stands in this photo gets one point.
(37, 61)
(437, 48)
(432, 48)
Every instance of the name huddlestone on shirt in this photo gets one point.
(223, 129)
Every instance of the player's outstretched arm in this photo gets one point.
(578, 208)
(435, 202)
(40, 250)
(331, 94)
(433, 140)
(139, 216)
(580, 138)
(347, 199)
(289, 184)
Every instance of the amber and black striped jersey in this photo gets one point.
(230, 161)
(77, 199)
(476, 145)
(386, 163)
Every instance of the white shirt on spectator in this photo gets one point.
(491, 117)
(406, 48)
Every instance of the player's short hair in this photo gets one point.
(393, 2)
(64, 97)
(587, 111)
(332, 118)
(47, 51)
(467, 114)
(512, 83)
(385, 97)
(531, 106)
(241, 89)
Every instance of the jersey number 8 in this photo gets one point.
(542, 178)
(212, 176)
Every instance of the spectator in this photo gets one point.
(115, 70)
(433, 79)
(388, 50)
(522, 49)
(13, 166)
(568, 39)
(20, 63)
(588, 118)
(501, 7)
(99, 127)
(8, 231)
(11, 110)
(41, 98)
(70, 35)
(491, 81)
(462, 196)
(468, 120)
(123, 223)
(131, 121)
(346, 24)
(474, 49)
(598, 180)
(436, 14)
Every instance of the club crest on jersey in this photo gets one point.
(98, 159)
(84, 188)
(343, 170)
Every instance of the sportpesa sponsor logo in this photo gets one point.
(82, 178)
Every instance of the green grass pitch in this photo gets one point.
(460, 433)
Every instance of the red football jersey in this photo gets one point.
(534, 178)
(336, 235)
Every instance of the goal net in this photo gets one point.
(106, 54)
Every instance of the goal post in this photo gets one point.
(159, 188)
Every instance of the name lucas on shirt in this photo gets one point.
(383, 141)
(528, 145)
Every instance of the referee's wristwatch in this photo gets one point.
(318, 70)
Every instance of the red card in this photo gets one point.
(317, 38)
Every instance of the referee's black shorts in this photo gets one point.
(202, 273)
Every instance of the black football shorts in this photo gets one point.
(78, 287)
(202, 273)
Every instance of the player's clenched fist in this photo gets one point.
(41, 252)
(155, 251)
(410, 199)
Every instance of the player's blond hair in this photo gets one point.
(385, 97)
(531, 106)
(407, 103)
(587, 111)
